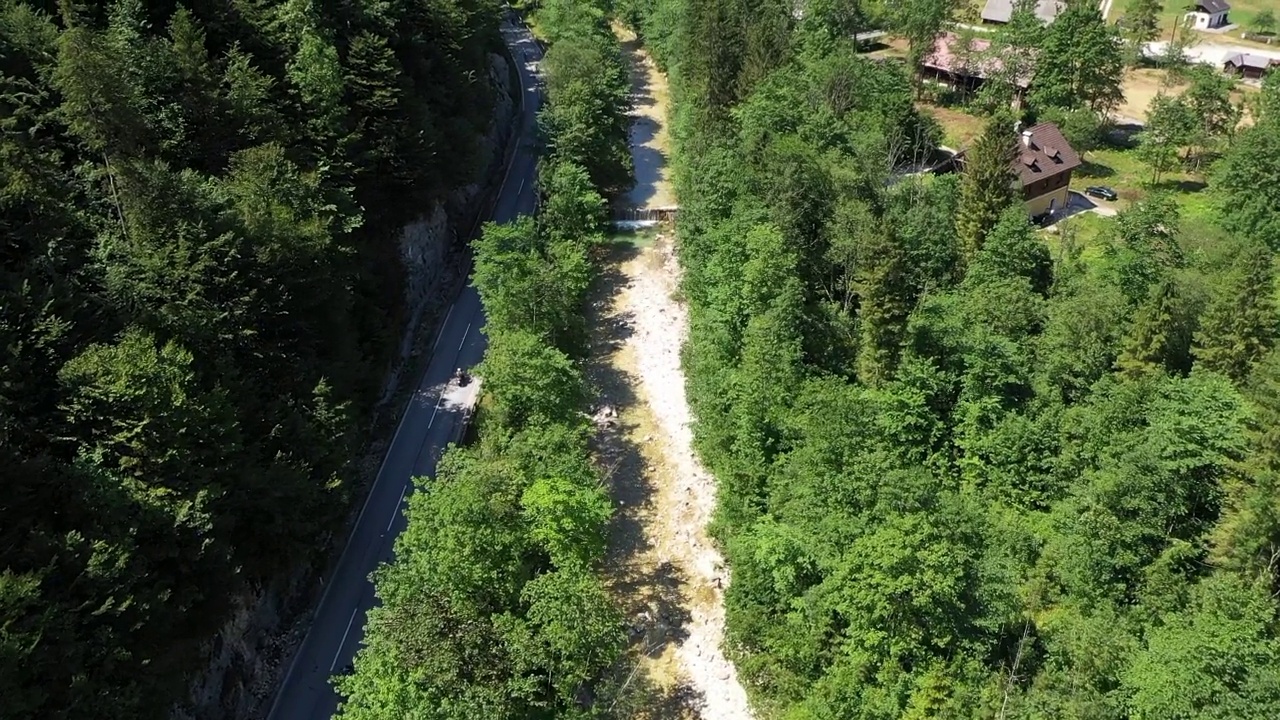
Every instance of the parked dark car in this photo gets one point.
(1100, 191)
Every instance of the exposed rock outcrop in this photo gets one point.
(426, 245)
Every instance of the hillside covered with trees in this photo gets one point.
(199, 298)
(495, 606)
(963, 474)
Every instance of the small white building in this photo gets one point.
(1209, 14)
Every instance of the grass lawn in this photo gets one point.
(888, 47)
(1086, 231)
(1121, 170)
(1244, 11)
(959, 128)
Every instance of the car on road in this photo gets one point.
(1101, 191)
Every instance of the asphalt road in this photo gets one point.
(429, 423)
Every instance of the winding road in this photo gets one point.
(431, 420)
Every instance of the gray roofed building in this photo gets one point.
(1248, 65)
(1210, 14)
(1001, 11)
(1213, 6)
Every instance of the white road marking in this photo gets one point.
(334, 664)
(396, 512)
(443, 325)
(436, 410)
(464, 337)
(520, 31)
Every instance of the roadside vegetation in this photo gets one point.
(960, 475)
(495, 606)
(200, 207)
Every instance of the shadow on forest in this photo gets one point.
(640, 699)
(1182, 186)
(650, 595)
(1091, 169)
(1123, 136)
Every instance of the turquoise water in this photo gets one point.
(636, 238)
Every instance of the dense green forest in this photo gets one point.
(199, 299)
(494, 607)
(962, 475)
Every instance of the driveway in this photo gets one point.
(1210, 53)
(1079, 203)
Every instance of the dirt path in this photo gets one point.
(650, 142)
(664, 567)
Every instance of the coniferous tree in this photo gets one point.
(1160, 334)
(883, 307)
(192, 307)
(1239, 327)
(713, 42)
(1248, 538)
(987, 185)
(372, 82)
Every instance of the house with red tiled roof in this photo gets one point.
(965, 68)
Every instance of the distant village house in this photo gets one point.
(1000, 12)
(1249, 66)
(1209, 14)
(964, 69)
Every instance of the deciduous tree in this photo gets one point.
(1141, 24)
(1081, 62)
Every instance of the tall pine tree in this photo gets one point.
(1160, 334)
(1240, 325)
(987, 186)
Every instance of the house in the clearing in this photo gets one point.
(962, 68)
(1042, 166)
(1209, 14)
(999, 12)
(1249, 66)
(1045, 161)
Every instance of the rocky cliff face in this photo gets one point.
(249, 656)
(426, 245)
